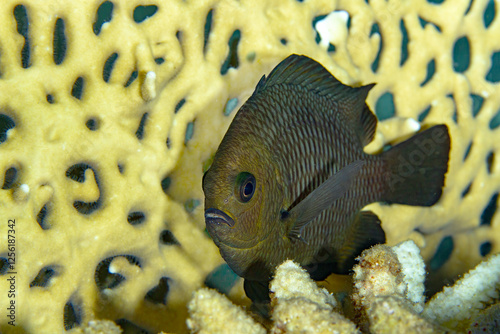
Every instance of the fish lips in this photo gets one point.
(215, 217)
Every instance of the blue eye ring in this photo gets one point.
(245, 187)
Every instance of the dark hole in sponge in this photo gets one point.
(10, 178)
(60, 44)
(129, 327)
(494, 72)
(6, 123)
(50, 98)
(424, 114)
(431, 69)
(168, 238)
(436, 1)
(467, 151)
(43, 278)
(132, 78)
(92, 124)
(142, 13)
(159, 60)
(21, 17)
(77, 172)
(158, 294)
(461, 54)
(232, 57)
(485, 248)
(376, 29)
(466, 191)
(86, 208)
(189, 132)
(179, 105)
(495, 121)
(489, 210)
(140, 129)
(106, 280)
(404, 42)
(72, 315)
(221, 279)
(165, 183)
(283, 41)
(477, 103)
(41, 217)
(207, 29)
(424, 22)
(104, 14)
(489, 13)
(136, 218)
(489, 161)
(108, 67)
(4, 265)
(442, 254)
(317, 38)
(384, 108)
(77, 89)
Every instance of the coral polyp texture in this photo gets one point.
(110, 111)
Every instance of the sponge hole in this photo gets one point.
(461, 54)
(106, 280)
(108, 67)
(10, 178)
(207, 29)
(21, 17)
(159, 294)
(485, 248)
(141, 13)
(442, 254)
(41, 217)
(376, 30)
(168, 238)
(77, 89)
(232, 57)
(44, 277)
(139, 133)
(489, 13)
(489, 210)
(104, 14)
(59, 42)
(136, 218)
(6, 123)
(72, 315)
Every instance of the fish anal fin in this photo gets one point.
(366, 233)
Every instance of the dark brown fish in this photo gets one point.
(290, 177)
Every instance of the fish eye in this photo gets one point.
(245, 186)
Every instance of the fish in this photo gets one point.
(290, 177)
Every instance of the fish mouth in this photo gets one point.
(218, 217)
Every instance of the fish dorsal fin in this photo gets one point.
(306, 72)
(368, 123)
(322, 198)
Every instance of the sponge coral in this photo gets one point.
(110, 111)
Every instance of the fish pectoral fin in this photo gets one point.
(366, 233)
(323, 197)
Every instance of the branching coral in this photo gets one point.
(111, 110)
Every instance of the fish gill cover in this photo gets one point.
(110, 111)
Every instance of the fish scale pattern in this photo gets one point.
(110, 111)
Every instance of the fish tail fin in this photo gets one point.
(418, 167)
(366, 233)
